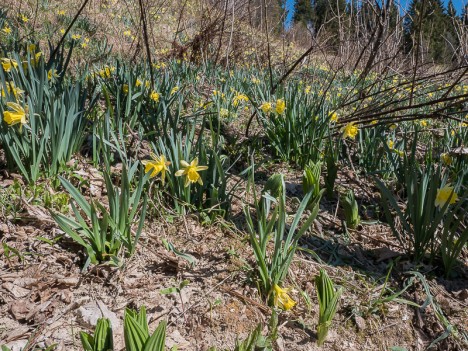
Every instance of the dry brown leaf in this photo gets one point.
(20, 308)
(15, 290)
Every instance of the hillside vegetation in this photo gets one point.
(198, 176)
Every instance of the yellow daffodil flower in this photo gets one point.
(218, 93)
(52, 74)
(17, 115)
(444, 195)
(334, 117)
(157, 165)
(446, 159)
(154, 96)
(174, 90)
(191, 171)
(11, 89)
(239, 98)
(6, 30)
(76, 36)
(350, 131)
(255, 80)
(36, 58)
(108, 71)
(223, 113)
(390, 144)
(281, 298)
(8, 64)
(266, 107)
(280, 106)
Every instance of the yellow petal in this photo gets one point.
(15, 107)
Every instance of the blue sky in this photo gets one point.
(404, 3)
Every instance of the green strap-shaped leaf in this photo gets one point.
(103, 339)
(87, 342)
(134, 334)
(76, 195)
(157, 341)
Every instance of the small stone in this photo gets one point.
(176, 340)
(360, 323)
(89, 314)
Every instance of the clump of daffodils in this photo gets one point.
(8, 64)
(106, 72)
(11, 89)
(238, 98)
(280, 106)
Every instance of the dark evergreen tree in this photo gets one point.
(303, 12)
(428, 25)
(465, 15)
(326, 16)
(451, 12)
(452, 21)
(393, 15)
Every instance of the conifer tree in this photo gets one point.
(465, 15)
(452, 21)
(303, 12)
(325, 16)
(428, 24)
(451, 12)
